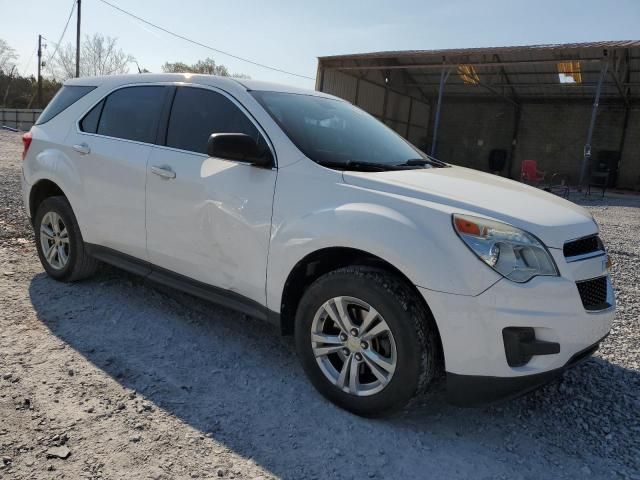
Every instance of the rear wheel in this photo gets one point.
(59, 241)
(365, 340)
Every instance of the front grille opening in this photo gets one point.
(593, 293)
(582, 246)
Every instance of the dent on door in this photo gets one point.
(212, 221)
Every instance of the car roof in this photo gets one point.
(227, 83)
(258, 85)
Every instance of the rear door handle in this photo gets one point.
(82, 148)
(164, 171)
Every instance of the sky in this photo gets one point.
(290, 34)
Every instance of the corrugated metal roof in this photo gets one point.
(513, 72)
(489, 50)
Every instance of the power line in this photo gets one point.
(73, 6)
(203, 45)
(26, 66)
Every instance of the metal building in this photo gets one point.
(574, 108)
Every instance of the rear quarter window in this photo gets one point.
(90, 121)
(66, 96)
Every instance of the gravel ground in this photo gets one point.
(129, 380)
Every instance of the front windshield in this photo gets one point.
(334, 132)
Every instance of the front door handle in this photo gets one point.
(163, 171)
(82, 148)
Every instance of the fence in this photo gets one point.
(20, 118)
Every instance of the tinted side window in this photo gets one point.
(89, 123)
(66, 96)
(197, 113)
(132, 113)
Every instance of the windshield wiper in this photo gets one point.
(418, 162)
(358, 165)
(381, 167)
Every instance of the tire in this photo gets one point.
(78, 264)
(412, 332)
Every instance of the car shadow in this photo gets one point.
(238, 380)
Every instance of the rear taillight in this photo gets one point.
(26, 142)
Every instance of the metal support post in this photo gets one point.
(444, 75)
(594, 112)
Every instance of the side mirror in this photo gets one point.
(239, 147)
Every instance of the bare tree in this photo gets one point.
(207, 66)
(7, 57)
(99, 55)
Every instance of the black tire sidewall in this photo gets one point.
(61, 206)
(404, 384)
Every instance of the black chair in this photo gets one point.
(599, 177)
(497, 161)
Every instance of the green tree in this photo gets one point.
(207, 66)
(21, 92)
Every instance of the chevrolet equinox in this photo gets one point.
(388, 266)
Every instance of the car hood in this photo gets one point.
(549, 217)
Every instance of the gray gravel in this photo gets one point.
(128, 380)
(13, 222)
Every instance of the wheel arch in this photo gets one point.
(40, 191)
(322, 261)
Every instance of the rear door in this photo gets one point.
(208, 218)
(111, 147)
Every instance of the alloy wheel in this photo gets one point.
(54, 239)
(353, 346)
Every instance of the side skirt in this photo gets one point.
(223, 297)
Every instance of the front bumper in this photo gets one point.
(474, 390)
(471, 330)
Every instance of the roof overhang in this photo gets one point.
(561, 71)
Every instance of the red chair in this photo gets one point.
(529, 172)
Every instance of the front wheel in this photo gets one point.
(365, 340)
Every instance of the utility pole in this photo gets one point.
(78, 40)
(39, 71)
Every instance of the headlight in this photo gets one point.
(513, 253)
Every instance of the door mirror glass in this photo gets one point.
(239, 147)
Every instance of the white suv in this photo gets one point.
(387, 265)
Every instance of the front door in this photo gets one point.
(207, 218)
